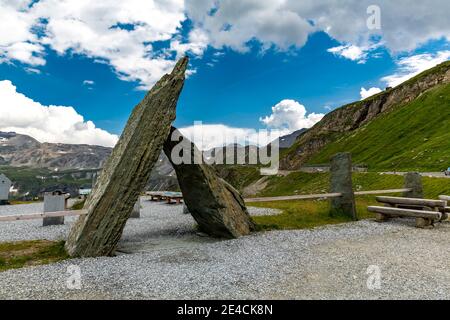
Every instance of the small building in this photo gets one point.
(5, 186)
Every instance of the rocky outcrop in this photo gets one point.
(127, 170)
(356, 115)
(217, 207)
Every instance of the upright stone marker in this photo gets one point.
(341, 182)
(127, 170)
(217, 207)
(54, 202)
(413, 181)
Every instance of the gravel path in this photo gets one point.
(162, 257)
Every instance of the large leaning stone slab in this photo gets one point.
(217, 207)
(127, 170)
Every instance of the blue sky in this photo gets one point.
(235, 80)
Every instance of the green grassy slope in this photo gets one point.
(415, 136)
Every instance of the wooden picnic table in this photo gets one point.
(167, 196)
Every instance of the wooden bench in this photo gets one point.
(177, 199)
(156, 196)
(446, 210)
(425, 211)
(169, 197)
(173, 196)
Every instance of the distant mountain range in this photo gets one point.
(18, 150)
(79, 162)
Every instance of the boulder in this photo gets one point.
(217, 207)
(127, 170)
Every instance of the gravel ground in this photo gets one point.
(162, 257)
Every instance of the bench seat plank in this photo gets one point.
(412, 202)
(406, 212)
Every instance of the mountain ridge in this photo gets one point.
(353, 116)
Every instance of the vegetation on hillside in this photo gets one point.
(32, 181)
(412, 137)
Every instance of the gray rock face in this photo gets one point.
(127, 170)
(18, 150)
(341, 182)
(217, 207)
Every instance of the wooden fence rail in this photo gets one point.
(299, 197)
(364, 193)
(324, 196)
(36, 216)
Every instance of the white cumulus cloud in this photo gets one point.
(350, 52)
(290, 115)
(409, 67)
(127, 34)
(209, 136)
(62, 124)
(287, 116)
(366, 93)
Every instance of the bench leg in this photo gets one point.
(444, 217)
(381, 217)
(423, 223)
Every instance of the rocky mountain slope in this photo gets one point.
(412, 137)
(19, 150)
(289, 140)
(36, 167)
(355, 117)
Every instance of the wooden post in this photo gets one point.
(413, 181)
(54, 202)
(341, 182)
(136, 213)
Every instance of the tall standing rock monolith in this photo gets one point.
(341, 182)
(217, 207)
(413, 181)
(127, 170)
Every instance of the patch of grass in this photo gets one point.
(306, 214)
(16, 202)
(14, 255)
(78, 205)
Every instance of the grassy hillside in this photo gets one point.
(415, 136)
